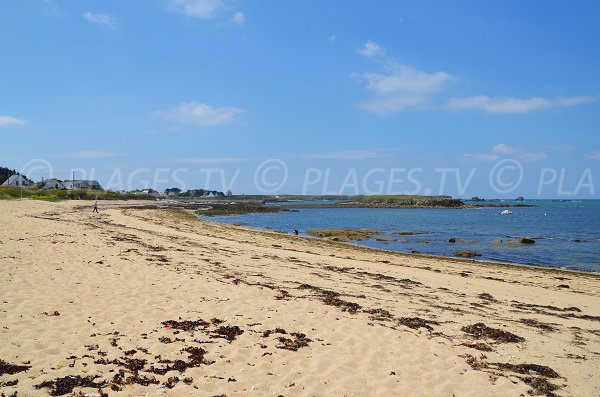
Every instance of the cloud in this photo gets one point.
(594, 155)
(502, 150)
(484, 157)
(398, 86)
(349, 155)
(203, 9)
(10, 120)
(103, 20)
(332, 38)
(239, 18)
(200, 114)
(371, 49)
(514, 105)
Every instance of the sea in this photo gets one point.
(566, 232)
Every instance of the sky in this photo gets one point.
(462, 98)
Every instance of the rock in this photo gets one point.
(527, 240)
(452, 240)
(520, 198)
(477, 199)
(466, 254)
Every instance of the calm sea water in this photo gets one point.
(567, 232)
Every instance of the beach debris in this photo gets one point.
(482, 331)
(379, 314)
(466, 254)
(11, 369)
(537, 324)
(65, 385)
(277, 330)
(416, 323)
(227, 332)
(526, 369)
(53, 314)
(299, 340)
(537, 375)
(478, 346)
(283, 295)
(487, 297)
(9, 383)
(185, 325)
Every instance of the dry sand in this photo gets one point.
(87, 294)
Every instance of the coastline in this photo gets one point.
(134, 266)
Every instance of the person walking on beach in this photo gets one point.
(296, 232)
(95, 207)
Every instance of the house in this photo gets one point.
(228, 193)
(17, 180)
(53, 184)
(82, 184)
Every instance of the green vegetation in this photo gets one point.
(406, 201)
(35, 193)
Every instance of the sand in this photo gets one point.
(85, 294)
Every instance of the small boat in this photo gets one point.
(506, 212)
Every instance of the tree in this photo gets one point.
(175, 191)
(6, 173)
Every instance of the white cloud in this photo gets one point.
(10, 120)
(332, 38)
(502, 150)
(103, 20)
(594, 155)
(403, 78)
(485, 157)
(200, 114)
(506, 149)
(399, 86)
(239, 18)
(203, 9)
(391, 104)
(514, 105)
(371, 49)
(94, 154)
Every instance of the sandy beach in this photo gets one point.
(136, 301)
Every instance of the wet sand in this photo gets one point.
(152, 302)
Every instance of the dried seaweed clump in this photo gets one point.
(482, 331)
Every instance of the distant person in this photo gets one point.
(95, 207)
(296, 232)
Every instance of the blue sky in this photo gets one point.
(305, 96)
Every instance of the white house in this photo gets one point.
(53, 184)
(82, 184)
(17, 180)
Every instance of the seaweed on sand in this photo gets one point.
(11, 369)
(227, 332)
(65, 385)
(299, 340)
(416, 323)
(185, 325)
(482, 331)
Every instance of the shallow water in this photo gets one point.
(556, 225)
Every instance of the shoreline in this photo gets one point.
(244, 311)
(354, 243)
